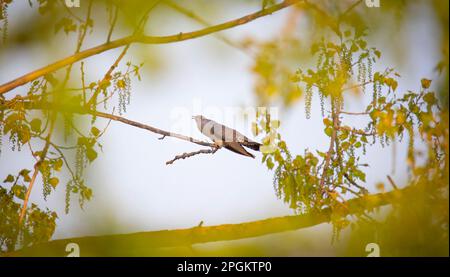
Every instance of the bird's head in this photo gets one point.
(198, 119)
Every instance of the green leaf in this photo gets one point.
(9, 179)
(430, 98)
(359, 174)
(347, 33)
(58, 165)
(270, 163)
(95, 131)
(377, 53)
(255, 129)
(362, 43)
(86, 193)
(53, 182)
(425, 83)
(24, 172)
(19, 191)
(275, 123)
(35, 125)
(91, 154)
(329, 131)
(327, 121)
(24, 134)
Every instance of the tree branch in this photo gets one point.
(331, 147)
(203, 22)
(36, 169)
(143, 243)
(138, 38)
(149, 128)
(83, 111)
(190, 154)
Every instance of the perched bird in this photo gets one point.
(226, 137)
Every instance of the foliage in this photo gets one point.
(26, 128)
(313, 180)
(39, 225)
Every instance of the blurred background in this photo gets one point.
(133, 188)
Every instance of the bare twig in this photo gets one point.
(190, 154)
(349, 9)
(107, 76)
(354, 113)
(113, 24)
(391, 181)
(203, 22)
(150, 128)
(354, 183)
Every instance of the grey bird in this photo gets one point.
(224, 136)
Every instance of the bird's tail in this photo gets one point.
(252, 145)
(237, 148)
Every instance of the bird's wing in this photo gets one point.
(237, 148)
(233, 135)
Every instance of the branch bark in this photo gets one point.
(139, 244)
(141, 39)
(84, 111)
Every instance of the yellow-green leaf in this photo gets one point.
(35, 125)
(95, 131)
(9, 179)
(53, 182)
(425, 83)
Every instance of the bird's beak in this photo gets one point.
(193, 117)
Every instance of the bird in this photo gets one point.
(224, 136)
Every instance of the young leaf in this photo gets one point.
(35, 125)
(9, 179)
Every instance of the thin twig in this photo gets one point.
(113, 24)
(391, 181)
(203, 22)
(349, 9)
(331, 147)
(190, 154)
(354, 113)
(354, 183)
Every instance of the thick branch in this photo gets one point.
(149, 128)
(141, 39)
(83, 111)
(139, 244)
